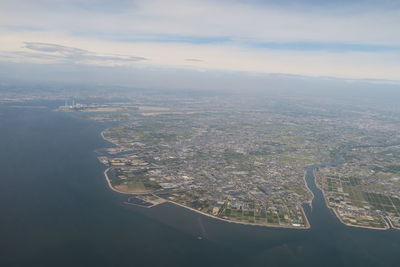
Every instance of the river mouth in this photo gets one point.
(318, 213)
(57, 210)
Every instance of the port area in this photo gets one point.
(145, 200)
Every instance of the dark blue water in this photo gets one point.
(56, 210)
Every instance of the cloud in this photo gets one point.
(194, 60)
(45, 47)
(259, 21)
(356, 22)
(352, 39)
(71, 54)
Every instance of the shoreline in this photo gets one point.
(104, 138)
(239, 222)
(307, 224)
(109, 182)
(309, 190)
(338, 215)
(116, 190)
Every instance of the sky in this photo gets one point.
(346, 39)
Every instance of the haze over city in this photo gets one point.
(341, 39)
(199, 133)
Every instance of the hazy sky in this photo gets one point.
(342, 38)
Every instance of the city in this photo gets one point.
(244, 161)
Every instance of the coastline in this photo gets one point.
(116, 190)
(307, 223)
(307, 226)
(309, 190)
(104, 138)
(109, 182)
(339, 217)
(243, 223)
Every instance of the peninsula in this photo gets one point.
(244, 160)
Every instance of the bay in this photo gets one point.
(56, 210)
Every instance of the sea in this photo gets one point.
(57, 210)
